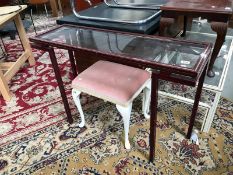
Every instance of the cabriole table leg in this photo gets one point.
(221, 29)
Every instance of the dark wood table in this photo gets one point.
(217, 12)
(174, 60)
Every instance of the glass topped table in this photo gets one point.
(218, 14)
(174, 60)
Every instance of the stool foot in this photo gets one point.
(127, 145)
(81, 124)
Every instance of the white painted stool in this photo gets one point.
(116, 83)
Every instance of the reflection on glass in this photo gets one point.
(220, 62)
(151, 49)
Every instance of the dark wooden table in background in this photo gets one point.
(217, 12)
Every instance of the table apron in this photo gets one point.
(218, 17)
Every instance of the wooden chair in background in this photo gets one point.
(39, 2)
(9, 69)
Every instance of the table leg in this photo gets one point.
(153, 116)
(72, 62)
(196, 102)
(221, 29)
(60, 84)
(185, 26)
(24, 39)
(165, 23)
(171, 26)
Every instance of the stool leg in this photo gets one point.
(76, 97)
(125, 113)
(146, 100)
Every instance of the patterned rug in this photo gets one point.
(36, 139)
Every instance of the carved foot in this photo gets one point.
(210, 73)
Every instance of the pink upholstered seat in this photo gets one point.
(111, 81)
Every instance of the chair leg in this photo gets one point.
(33, 22)
(146, 100)
(125, 113)
(76, 97)
(31, 12)
(46, 11)
(45, 7)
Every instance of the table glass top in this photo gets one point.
(185, 55)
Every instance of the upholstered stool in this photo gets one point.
(115, 83)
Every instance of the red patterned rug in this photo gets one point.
(34, 90)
